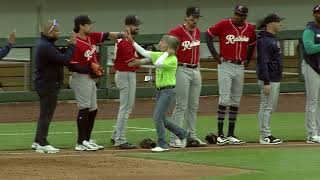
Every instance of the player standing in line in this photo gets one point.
(269, 72)
(49, 78)
(125, 79)
(188, 76)
(311, 72)
(83, 62)
(237, 41)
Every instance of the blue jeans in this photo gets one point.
(164, 99)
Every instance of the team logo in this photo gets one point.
(188, 45)
(231, 39)
(89, 53)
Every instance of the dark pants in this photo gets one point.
(164, 100)
(48, 103)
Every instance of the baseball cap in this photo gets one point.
(132, 20)
(83, 19)
(274, 17)
(316, 8)
(242, 10)
(193, 11)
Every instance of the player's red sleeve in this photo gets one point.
(175, 32)
(97, 37)
(253, 38)
(118, 50)
(216, 29)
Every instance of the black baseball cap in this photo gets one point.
(82, 19)
(274, 17)
(132, 20)
(316, 8)
(193, 11)
(241, 10)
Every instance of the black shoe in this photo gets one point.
(270, 140)
(127, 145)
(112, 141)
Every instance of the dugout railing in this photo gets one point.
(18, 87)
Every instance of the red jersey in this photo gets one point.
(85, 51)
(233, 40)
(124, 53)
(188, 51)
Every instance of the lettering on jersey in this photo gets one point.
(89, 53)
(231, 39)
(188, 45)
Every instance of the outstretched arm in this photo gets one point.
(6, 49)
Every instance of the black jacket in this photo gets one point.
(50, 62)
(269, 65)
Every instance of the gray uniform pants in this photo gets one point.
(126, 82)
(85, 91)
(188, 88)
(312, 115)
(230, 80)
(268, 104)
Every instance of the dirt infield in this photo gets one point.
(108, 109)
(107, 164)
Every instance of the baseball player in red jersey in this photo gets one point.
(188, 75)
(237, 41)
(125, 79)
(82, 83)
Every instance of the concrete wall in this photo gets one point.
(158, 16)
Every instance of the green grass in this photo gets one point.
(275, 163)
(270, 163)
(289, 126)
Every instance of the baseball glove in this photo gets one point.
(96, 70)
(147, 143)
(211, 138)
(193, 143)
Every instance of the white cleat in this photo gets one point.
(159, 149)
(47, 149)
(176, 143)
(234, 140)
(34, 145)
(94, 143)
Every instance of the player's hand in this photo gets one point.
(73, 38)
(12, 37)
(128, 35)
(266, 89)
(217, 58)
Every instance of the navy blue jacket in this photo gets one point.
(5, 50)
(50, 62)
(269, 64)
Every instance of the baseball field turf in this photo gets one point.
(267, 162)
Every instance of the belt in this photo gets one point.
(186, 65)
(238, 62)
(165, 87)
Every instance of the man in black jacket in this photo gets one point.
(269, 71)
(48, 80)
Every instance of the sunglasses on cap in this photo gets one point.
(55, 24)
